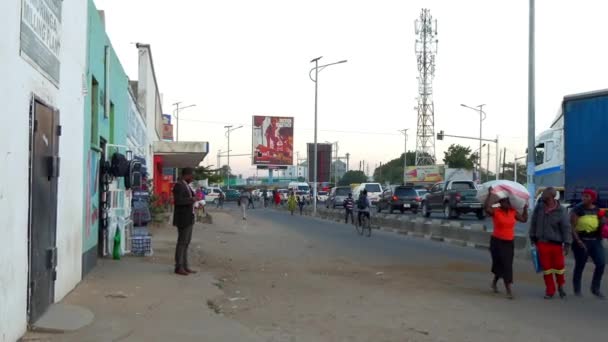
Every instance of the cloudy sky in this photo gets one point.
(235, 59)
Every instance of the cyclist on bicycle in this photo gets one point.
(363, 206)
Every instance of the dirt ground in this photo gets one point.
(259, 281)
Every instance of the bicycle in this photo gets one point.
(365, 225)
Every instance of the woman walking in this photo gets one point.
(277, 199)
(586, 222)
(292, 203)
(502, 247)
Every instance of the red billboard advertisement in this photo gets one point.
(324, 153)
(272, 140)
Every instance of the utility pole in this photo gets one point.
(504, 162)
(404, 132)
(347, 162)
(228, 130)
(177, 109)
(219, 166)
(488, 165)
(531, 108)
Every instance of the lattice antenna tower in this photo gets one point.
(426, 50)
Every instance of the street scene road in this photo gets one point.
(293, 278)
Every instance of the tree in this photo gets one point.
(510, 172)
(205, 172)
(392, 172)
(459, 157)
(353, 177)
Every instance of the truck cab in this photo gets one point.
(453, 198)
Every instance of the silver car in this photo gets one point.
(337, 196)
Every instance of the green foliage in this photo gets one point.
(204, 172)
(353, 177)
(459, 157)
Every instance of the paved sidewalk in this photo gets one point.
(140, 299)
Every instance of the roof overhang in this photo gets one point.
(180, 154)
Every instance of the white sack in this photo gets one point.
(518, 195)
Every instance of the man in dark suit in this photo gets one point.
(183, 218)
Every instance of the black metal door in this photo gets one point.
(43, 208)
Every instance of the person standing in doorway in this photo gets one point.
(183, 218)
(349, 206)
(587, 235)
(502, 247)
(551, 233)
(243, 202)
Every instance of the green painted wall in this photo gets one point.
(119, 97)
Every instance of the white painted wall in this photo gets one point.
(148, 98)
(19, 81)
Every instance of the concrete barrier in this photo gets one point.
(454, 232)
(405, 225)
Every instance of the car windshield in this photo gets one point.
(322, 193)
(405, 192)
(463, 186)
(421, 192)
(342, 192)
(373, 188)
(303, 187)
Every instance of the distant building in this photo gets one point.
(338, 166)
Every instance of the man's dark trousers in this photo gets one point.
(349, 212)
(184, 236)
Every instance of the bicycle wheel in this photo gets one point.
(368, 226)
(359, 227)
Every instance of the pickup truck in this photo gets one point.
(452, 199)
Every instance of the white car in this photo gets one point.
(212, 194)
(374, 191)
(322, 197)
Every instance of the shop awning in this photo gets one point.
(181, 154)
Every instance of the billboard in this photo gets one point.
(272, 140)
(324, 154)
(426, 174)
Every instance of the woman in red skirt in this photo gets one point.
(502, 247)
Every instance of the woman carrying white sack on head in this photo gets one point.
(504, 217)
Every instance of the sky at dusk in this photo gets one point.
(235, 59)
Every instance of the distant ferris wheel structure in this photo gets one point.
(426, 50)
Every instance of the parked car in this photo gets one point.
(453, 198)
(398, 197)
(322, 197)
(212, 194)
(374, 191)
(337, 196)
(232, 195)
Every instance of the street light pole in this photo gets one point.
(404, 131)
(177, 109)
(482, 116)
(531, 107)
(228, 130)
(316, 69)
